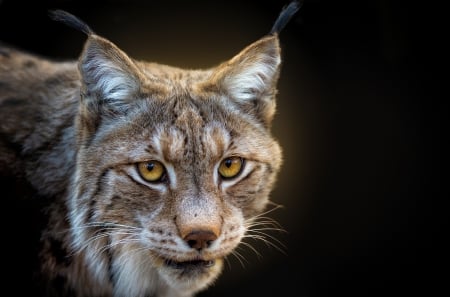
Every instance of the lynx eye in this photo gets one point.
(231, 167)
(151, 171)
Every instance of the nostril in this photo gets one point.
(192, 243)
(200, 239)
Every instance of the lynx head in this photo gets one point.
(173, 166)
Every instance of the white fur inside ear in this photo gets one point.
(252, 78)
(113, 83)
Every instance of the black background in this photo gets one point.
(360, 118)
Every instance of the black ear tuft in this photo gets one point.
(286, 14)
(70, 20)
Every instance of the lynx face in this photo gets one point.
(172, 165)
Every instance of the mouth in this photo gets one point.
(190, 265)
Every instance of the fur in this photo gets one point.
(75, 131)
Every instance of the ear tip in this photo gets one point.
(70, 20)
(271, 42)
(285, 15)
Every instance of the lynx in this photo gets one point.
(149, 175)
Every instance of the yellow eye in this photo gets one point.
(231, 167)
(151, 171)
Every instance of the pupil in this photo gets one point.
(228, 163)
(150, 166)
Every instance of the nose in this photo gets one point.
(200, 239)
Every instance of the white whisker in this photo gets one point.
(228, 262)
(264, 239)
(239, 257)
(265, 235)
(252, 248)
(105, 230)
(259, 228)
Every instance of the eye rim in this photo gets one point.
(159, 178)
(238, 172)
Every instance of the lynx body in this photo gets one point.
(151, 174)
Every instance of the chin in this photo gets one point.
(190, 276)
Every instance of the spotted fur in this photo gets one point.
(75, 132)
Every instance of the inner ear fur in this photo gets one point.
(250, 77)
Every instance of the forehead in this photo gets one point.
(173, 79)
(191, 128)
(182, 100)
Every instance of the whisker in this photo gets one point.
(106, 230)
(259, 228)
(276, 206)
(101, 225)
(109, 225)
(134, 250)
(228, 262)
(267, 229)
(263, 221)
(252, 248)
(91, 240)
(118, 242)
(239, 257)
(255, 232)
(264, 239)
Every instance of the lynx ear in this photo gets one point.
(108, 74)
(250, 77)
(254, 71)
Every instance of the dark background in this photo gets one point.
(360, 117)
